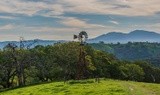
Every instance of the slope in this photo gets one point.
(88, 87)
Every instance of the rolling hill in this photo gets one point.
(88, 87)
(134, 36)
(112, 37)
(31, 43)
(132, 51)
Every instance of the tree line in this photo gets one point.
(132, 51)
(20, 66)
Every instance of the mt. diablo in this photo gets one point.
(112, 37)
(134, 36)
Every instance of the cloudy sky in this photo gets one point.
(60, 19)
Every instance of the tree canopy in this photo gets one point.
(19, 67)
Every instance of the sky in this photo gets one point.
(60, 19)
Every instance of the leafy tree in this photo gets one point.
(151, 72)
(59, 62)
(132, 72)
(7, 69)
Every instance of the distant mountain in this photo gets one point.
(134, 36)
(112, 37)
(31, 43)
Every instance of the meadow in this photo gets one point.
(88, 87)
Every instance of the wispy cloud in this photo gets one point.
(7, 17)
(114, 22)
(115, 7)
(30, 8)
(58, 33)
(70, 17)
(74, 22)
(59, 7)
(150, 27)
(7, 27)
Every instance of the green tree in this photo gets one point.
(132, 72)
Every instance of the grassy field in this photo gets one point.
(88, 87)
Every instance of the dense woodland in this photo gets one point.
(133, 51)
(21, 66)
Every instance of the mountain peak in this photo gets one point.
(133, 36)
(142, 32)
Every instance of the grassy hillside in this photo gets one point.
(88, 87)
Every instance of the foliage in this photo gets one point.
(132, 51)
(19, 67)
(132, 72)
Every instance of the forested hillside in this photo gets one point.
(20, 66)
(133, 51)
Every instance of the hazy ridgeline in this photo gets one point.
(19, 67)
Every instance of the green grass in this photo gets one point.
(88, 87)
